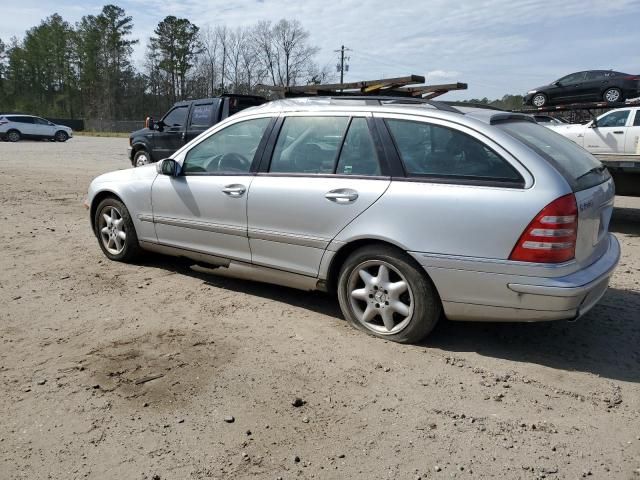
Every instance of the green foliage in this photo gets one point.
(175, 47)
(507, 102)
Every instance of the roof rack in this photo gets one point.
(396, 87)
(392, 100)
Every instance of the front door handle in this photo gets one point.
(618, 132)
(234, 190)
(342, 195)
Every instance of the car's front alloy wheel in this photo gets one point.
(61, 136)
(539, 100)
(383, 292)
(141, 158)
(115, 231)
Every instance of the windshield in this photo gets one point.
(581, 169)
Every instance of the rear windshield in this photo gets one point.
(581, 169)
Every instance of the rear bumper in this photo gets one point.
(477, 295)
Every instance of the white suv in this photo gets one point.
(15, 127)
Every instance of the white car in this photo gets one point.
(14, 127)
(614, 132)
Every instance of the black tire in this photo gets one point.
(13, 135)
(61, 136)
(539, 100)
(141, 157)
(131, 249)
(424, 299)
(612, 95)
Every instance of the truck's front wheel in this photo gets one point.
(141, 158)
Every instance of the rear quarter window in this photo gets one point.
(438, 152)
(581, 169)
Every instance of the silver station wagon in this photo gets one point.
(408, 210)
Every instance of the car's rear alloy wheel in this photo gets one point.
(539, 100)
(383, 292)
(13, 135)
(141, 158)
(61, 136)
(115, 230)
(612, 95)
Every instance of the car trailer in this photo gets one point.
(625, 169)
(409, 86)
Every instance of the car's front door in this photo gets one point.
(567, 88)
(204, 208)
(323, 173)
(43, 128)
(171, 135)
(609, 134)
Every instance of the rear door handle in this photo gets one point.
(234, 190)
(618, 132)
(342, 195)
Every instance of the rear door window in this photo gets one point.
(429, 150)
(636, 122)
(581, 169)
(201, 115)
(308, 145)
(21, 119)
(358, 154)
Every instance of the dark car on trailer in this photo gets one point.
(183, 122)
(587, 86)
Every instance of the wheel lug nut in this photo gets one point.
(370, 295)
(375, 287)
(386, 303)
(377, 305)
(386, 291)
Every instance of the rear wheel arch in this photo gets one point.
(346, 250)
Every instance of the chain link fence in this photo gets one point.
(102, 125)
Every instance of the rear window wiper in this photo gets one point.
(599, 169)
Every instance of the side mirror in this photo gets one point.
(168, 167)
(593, 124)
(558, 83)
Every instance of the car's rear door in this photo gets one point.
(26, 125)
(201, 117)
(204, 209)
(324, 171)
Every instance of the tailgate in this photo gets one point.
(595, 206)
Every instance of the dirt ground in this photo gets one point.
(81, 337)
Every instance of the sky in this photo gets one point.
(498, 47)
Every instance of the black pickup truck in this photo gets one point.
(182, 123)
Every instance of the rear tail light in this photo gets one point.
(632, 77)
(3, 121)
(551, 235)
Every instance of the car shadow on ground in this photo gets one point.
(625, 220)
(604, 342)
